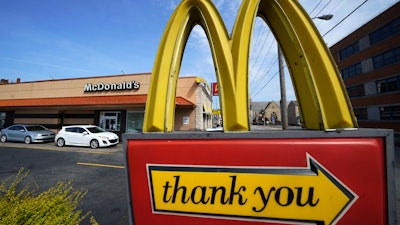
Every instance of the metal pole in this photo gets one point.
(284, 112)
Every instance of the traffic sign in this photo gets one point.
(215, 91)
(274, 177)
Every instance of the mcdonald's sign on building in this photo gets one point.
(215, 89)
(329, 173)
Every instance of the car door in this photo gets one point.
(11, 132)
(82, 136)
(71, 136)
(16, 133)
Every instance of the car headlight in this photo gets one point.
(38, 135)
(103, 137)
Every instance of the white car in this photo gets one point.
(86, 135)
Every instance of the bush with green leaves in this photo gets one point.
(21, 204)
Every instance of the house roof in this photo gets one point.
(258, 106)
(85, 101)
(273, 103)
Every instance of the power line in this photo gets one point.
(334, 7)
(266, 70)
(256, 67)
(324, 7)
(255, 95)
(315, 7)
(344, 18)
(260, 81)
(261, 49)
(258, 35)
(264, 75)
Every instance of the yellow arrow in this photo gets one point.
(310, 194)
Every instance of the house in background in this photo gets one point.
(263, 113)
(293, 114)
(273, 113)
(257, 112)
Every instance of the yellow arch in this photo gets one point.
(321, 95)
(319, 89)
(167, 64)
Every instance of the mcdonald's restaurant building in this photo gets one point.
(116, 103)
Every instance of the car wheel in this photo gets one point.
(94, 144)
(3, 138)
(60, 142)
(28, 140)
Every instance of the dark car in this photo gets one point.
(27, 133)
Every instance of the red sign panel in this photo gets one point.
(215, 89)
(248, 181)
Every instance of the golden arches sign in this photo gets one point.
(320, 93)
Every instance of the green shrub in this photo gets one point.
(23, 205)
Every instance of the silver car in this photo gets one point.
(27, 133)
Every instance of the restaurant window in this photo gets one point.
(110, 120)
(134, 122)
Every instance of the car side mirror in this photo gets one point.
(22, 130)
(85, 133)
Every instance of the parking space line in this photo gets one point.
(100, 165)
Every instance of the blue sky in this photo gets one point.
(57, 39)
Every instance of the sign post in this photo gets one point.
(329, 173)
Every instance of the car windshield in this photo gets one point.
(96, 129)
(35, 128)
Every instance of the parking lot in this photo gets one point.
(100, 172)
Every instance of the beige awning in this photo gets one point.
(207, 109)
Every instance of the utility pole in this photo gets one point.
(284, 112)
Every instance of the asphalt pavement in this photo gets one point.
(100, 172)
